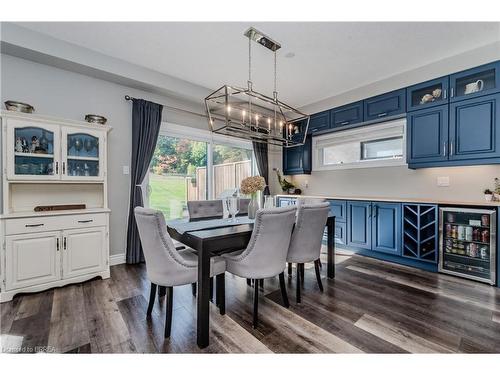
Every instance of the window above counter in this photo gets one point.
(375, 146)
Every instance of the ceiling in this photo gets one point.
(329, 58)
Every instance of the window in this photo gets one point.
(189, 165)
(382, 149)
(364, 147)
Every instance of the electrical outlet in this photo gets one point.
(307, 183)
(126, 169)
(443, 181)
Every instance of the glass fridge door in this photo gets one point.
(468, 243)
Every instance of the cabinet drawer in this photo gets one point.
(319, 122)
(386, 105)
(349, 114)
(50, 223)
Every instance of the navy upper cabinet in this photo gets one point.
(475, 128)
(349, 114)
(427, 94)
(359, 228)
(298, 159)
(385, 105)
(386, 227)
(318, 122)
(427, 135)
(479, 81)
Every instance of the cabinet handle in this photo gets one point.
(452, 92)
(345, 123)
(33, 225)
(64, 243)
(444, 148)
(85, 221)
(57, 167)
(64, 167)
(451, 148)
(444, 94)
(382, 114)
(57, 244)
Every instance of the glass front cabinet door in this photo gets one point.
(475, 82)
(82, 154)
(32, 151)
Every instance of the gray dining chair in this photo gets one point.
(266, 252)
(168, 267)
(307, 237)
(205, 210)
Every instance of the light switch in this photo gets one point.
(126, 169)
(443, 181)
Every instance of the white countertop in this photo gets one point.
(405, 200)
(54, 213)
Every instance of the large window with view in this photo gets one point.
(187, 166)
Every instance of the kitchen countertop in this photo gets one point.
(405, 200)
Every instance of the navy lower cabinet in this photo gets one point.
(386, 227)
(420, 232)
(298, 159)
(385, 105)
(338, 209)
(427, 135)
(359, 227)
(475, 128)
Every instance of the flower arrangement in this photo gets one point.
(251, 185)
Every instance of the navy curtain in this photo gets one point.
(146, 121)
(260, 151)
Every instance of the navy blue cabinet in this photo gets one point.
(479, 81)
(427, 94)
(339, 209)
(318, 122)
(385, 105)
(386, 227)
(359, 228)
(420, 232)
(427, 135)
(298, 159)
(475, 128)
(346, 115)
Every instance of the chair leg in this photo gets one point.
(320, 264)
(255, 303)
(302, 268)
(161, 291)
(297, 291)
(318, 275)
(211, 289)
(249, 282)
(261, 283)
(284, 296)
(289, 269)
(169, 310)
(221, 292)
(193, 289)
(152, 296)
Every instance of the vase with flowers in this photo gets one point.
(251, 186)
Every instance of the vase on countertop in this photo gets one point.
(253, 206)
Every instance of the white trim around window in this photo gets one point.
(349, 146)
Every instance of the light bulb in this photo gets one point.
(243, 114)
(228, 109)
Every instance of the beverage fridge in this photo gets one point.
(467, 243)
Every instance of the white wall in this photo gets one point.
(466, 183)
(64, 94)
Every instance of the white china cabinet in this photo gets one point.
(48, 161)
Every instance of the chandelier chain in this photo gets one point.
(275, 74)
(249, 59)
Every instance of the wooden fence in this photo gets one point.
(226, 176)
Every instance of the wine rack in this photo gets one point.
(420, 232)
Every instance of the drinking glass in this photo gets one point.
(233, 207)
(268, 201)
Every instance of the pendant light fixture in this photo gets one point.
(248, 114)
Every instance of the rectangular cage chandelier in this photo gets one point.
(247, 114)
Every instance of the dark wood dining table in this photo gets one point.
(220, 240)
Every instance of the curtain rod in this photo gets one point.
(128, 97)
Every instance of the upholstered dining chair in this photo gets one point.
(265, 255)
(205, 210)
(168, 267)
(307, 236)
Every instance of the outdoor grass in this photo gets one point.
(168, 194)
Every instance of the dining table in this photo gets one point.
(214, 237)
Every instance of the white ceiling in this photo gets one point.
(330, 58)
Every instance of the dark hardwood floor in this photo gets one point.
(371, 306)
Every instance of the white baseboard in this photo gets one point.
(116, 259)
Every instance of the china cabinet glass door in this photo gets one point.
(32, 151)
(82, 152)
